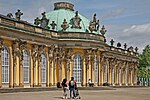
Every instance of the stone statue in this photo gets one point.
(75, 21)
(103, 30)
(44, 21)
(94, 25)
(118, 44)
(130, 49)
(94, 18)
(136, 49)
(125, 46)
(112, 42)
(37, 21)
(18, 15)
(64, 25)
(10, 15)
(97, 25)
(53, 24)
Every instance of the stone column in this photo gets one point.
(1, 47)
(35, 64)
(113, 64)
(135, 73)
(60, 69)
(51, 72)
(68, 59)
(40, 52)
(31, 70)
(115, 75)
(39, 70)
(129, 74)
(56, 65)
(93, 68)
(16, 54)
(54, 71)
(123, 73)
(87, 60)
(11, 68)
(21, 71)
(103, 59)
(120, 76)
(126, 75)
(48, 71)
(108, 71)
(110, 75)
(68, 69)
(61, 59)
(84, 72)
(51, 62)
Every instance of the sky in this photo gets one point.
(126, 21)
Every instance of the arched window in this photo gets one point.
(5, 66)
(26, 66)
(43, 68)
(77, 68)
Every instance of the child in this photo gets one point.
(77, 94)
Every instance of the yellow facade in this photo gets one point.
(82, 58)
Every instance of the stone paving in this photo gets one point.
(118, 94)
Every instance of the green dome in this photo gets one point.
(58, 15)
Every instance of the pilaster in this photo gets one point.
(1, 47)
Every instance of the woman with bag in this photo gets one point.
(64, 85)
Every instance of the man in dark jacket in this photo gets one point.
(72, 85)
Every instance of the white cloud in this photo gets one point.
(113, 13)
(133, 35)
(138, 29)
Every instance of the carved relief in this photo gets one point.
(1, 44)
(68, 57)
(50, 54)
(34, 54)
(40, 51)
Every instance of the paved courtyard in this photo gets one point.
(118, 94)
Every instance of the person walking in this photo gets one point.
(64, 85)
(72, 84)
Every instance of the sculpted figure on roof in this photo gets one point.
(75, 21)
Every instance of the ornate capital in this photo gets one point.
(1, 44)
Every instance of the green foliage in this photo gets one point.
(144, 62)
(144, 58)
(144, 73)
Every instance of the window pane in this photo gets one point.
(26, 66)
(5, 66)
(43, 68)
(77, 68)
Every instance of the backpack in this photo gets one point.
(72, 83)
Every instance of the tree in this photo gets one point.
(144, 58)
(144, 63)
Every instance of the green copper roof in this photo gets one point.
(59, 15)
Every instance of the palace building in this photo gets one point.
(61, 44)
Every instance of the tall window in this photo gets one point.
(5, 66)
(26, 66)
(77, 68)
(43, 68)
